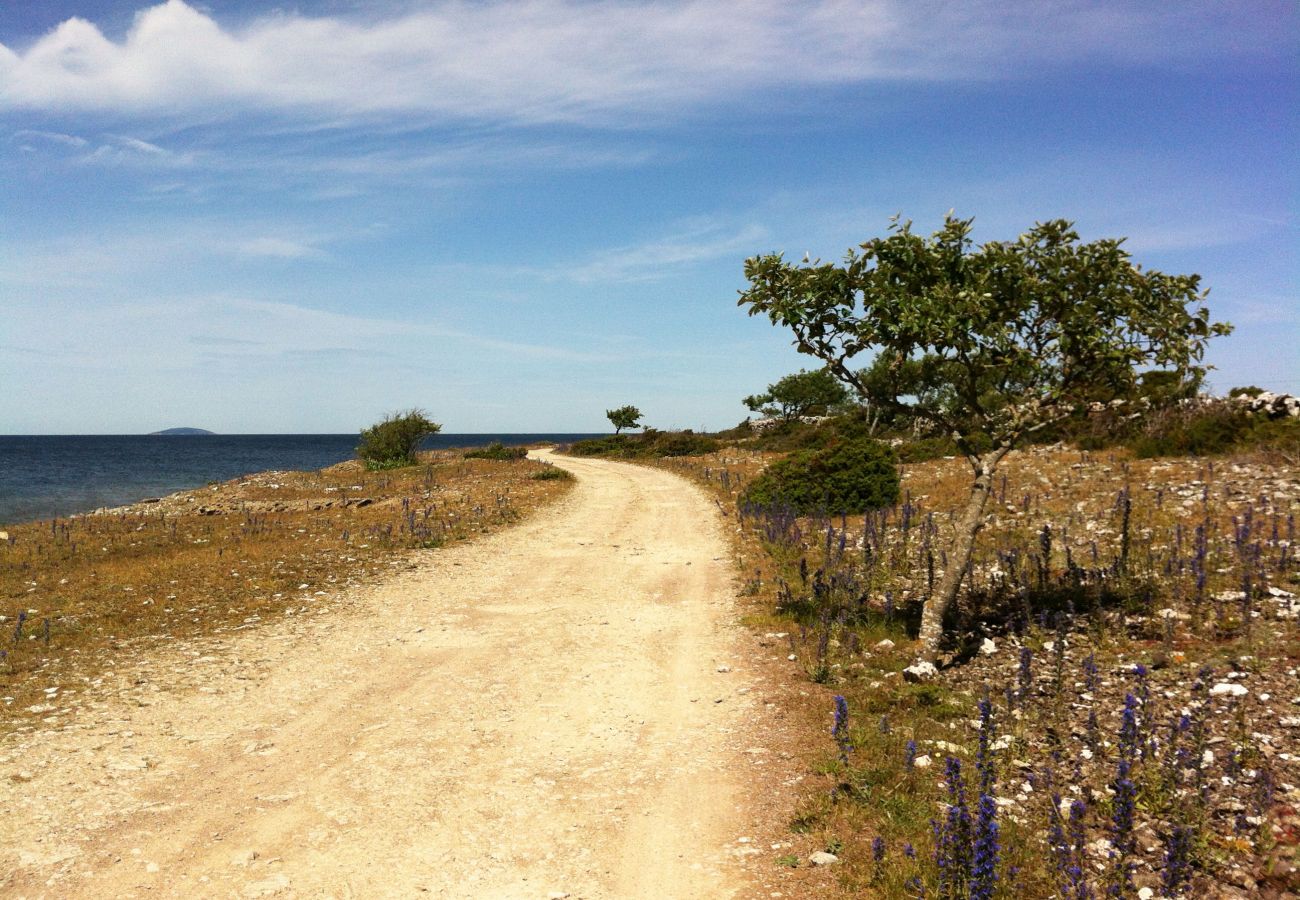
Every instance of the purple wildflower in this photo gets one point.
(840, 731)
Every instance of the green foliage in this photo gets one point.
(392, 442)
(553, 473)
(1207, 429)
(615, 445)
(804, 393)
(651, 444)
(1246, 391)
(998, 341)
(623, 417)
(1202, 430)
(498, 451)
(847, 477)
(921, 449)
(681, 443)
(1279, 438)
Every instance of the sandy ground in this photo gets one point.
(558, 710)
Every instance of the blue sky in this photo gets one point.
(518, 215)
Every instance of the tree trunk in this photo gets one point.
(972, 519)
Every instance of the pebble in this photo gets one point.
(822, 858)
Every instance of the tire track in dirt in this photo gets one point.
(537, 714)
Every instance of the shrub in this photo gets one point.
(497, 451)
(553, 473)
(652, 443)
(1195, 430)
(392, 442)
(1278, 438)
(681, 443)
(614, 445)
(918, 450)
(848, 477)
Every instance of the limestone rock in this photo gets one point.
(921, 671)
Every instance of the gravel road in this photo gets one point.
(556, 710)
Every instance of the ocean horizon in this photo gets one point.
(46, 476)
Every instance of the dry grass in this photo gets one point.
(229, 556)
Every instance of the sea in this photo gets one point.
(47, 476)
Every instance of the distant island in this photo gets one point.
(174, 431)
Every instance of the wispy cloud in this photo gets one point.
(662, 257)
(31, 136)
(571, 61)
(130, 151)
(278, 248)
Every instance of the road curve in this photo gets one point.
(535, 714)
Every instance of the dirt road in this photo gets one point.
(536, 714)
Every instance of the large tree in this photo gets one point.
(801, 394)
(1007, 338)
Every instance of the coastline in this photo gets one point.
(57, 476)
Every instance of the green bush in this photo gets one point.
(497, 451)
(1198, 430)
(847, 477)
(918, 450)
(392, 442)
(614, 445)
(1279, 438)
(650, 444)
(681, 443)
(553, 473)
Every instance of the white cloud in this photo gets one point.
(117, 150)
(665, 256)
(565, 60)
(53, 137)
(278, 248)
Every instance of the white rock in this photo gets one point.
(987, 647)
(822, 858)
(922, 762)
(886, 644)
(1145, 893)
(921, 671)
(1227, 688)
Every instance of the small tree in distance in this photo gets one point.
(623, 417)
(1008, 339)
(392, 442)
(801, 394)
